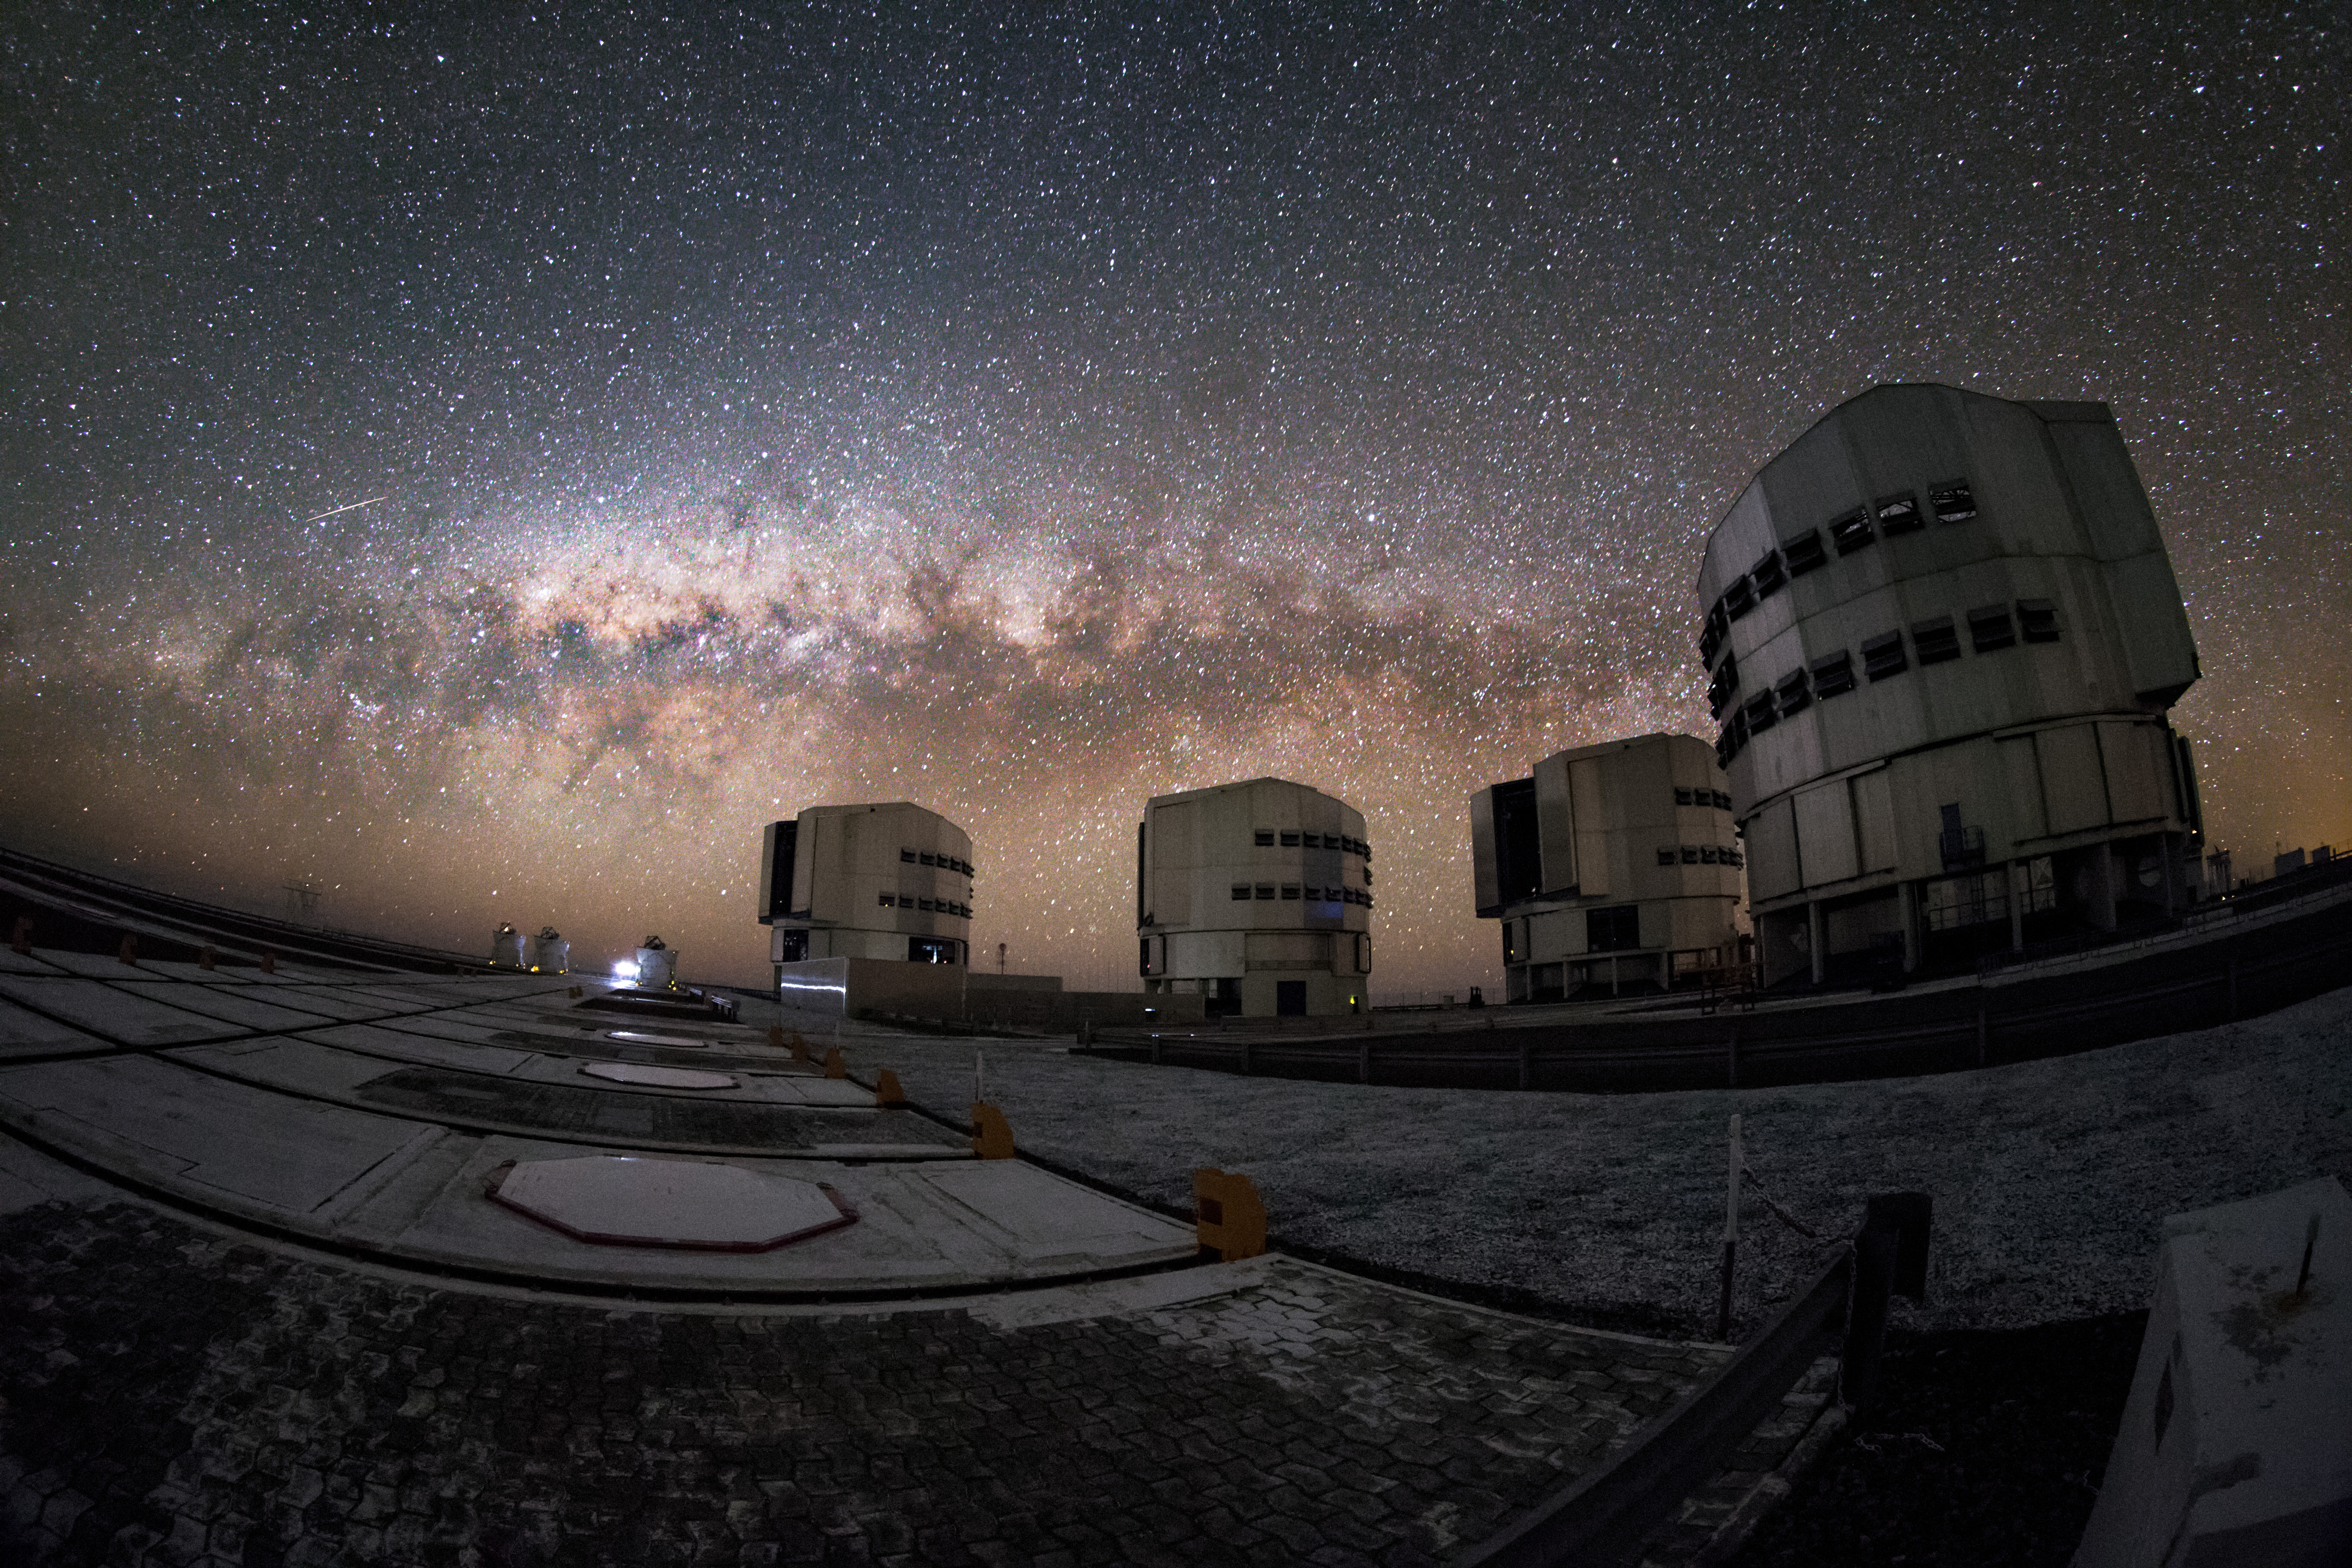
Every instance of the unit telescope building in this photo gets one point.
(1613, 864)
(887, 882)
(1942, 637)
(1256, 896)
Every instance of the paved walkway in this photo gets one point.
(175, 1395)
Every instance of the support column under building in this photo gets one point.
(1908, 902)
(1814, 941)
(2103, 886)
(2018, 878)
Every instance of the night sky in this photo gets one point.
(743, 411)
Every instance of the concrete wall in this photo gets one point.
(2235, 1445)
(1243, 887)
(1642, 824)
(856, 987)
(850, 986)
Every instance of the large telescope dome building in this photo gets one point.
(1942, 637)
(1256, 896)
(889, 880)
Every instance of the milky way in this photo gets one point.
(1024, 417)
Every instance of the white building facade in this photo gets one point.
(1614, 865)
(890, 881)
(1942, 635)
(1256, 896)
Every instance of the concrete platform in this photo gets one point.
(289, 1184)
(113, 1013)
(25, 1034)
(398, 1182)
(230, 1003)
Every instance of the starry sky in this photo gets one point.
(735, 411)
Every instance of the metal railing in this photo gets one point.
(1604, 1516)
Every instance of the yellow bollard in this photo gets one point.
(130, 953)
(775, 1036)
(1230, 1217)
(22, 940)
(886, 1090)
(269, 961)
(800, 1047)
(992, 1135)
(836, 1063)
(209, 958)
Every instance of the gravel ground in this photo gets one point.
(2049, 1179)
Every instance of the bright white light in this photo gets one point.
(626, 969)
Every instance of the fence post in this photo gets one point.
(1890, 1257)
(1730, 1238)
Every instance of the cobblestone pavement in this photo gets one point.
(174, 1396)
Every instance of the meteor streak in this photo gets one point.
(353, 507)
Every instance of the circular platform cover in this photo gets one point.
(627, 1201)
(658, 1078)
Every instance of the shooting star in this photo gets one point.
(353, 507)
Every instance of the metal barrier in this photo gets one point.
(2238, 974)
(1605, 1515)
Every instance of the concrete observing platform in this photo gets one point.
(490, 1127)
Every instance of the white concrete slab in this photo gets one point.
(238, 1007)
(651, 1077)
(395, 1045)
(1044, 1215)
(908, 1235)
(28, 1034)
(298, 1066)
(410, 998)
(119, 1015)
(2236, 1441)
(645, 1038)
(457, 1026)
(333, 1002)
(384, 998)
(630, 1200)
(98, 966)
(158, 1121)
(221, 973)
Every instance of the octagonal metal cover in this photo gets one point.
(626, 1200)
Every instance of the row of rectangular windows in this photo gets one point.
(1856, 529)
(944, 862)
(1245, 890)
(1266, 839)
(1698, 854)
(1713, 797)
(929, 906)
(1936, 640)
